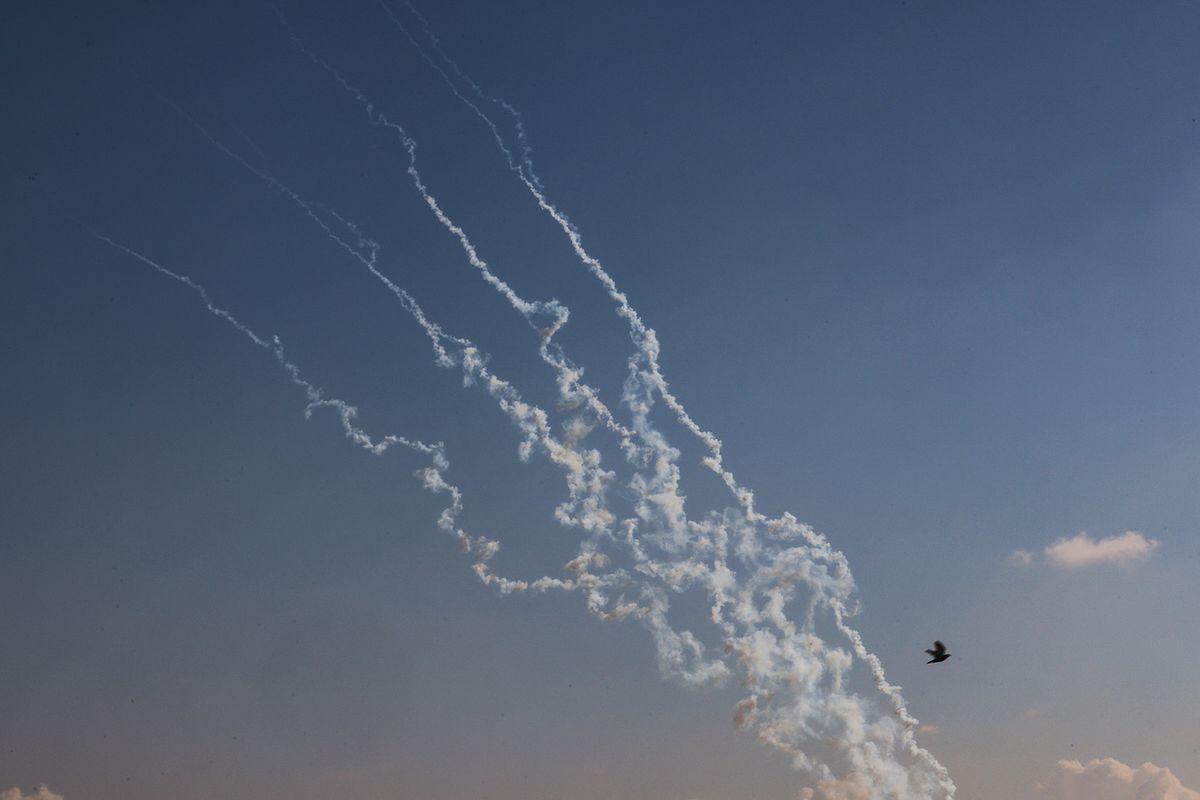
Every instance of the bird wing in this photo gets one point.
(939, 647)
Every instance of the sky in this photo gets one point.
(928, 270)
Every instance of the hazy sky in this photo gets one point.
(928, 269)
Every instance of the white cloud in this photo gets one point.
(1109, 779)
(1081, 550)
(925, 729)
(39, 793)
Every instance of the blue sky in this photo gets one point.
(928, 270)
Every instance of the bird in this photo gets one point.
(938, 653)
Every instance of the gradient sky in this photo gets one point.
(929, 270)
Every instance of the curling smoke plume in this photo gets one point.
(776, 722)
(769, 582)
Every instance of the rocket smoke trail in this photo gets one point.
(646, 380)
(797, 696)
(754, 570)
(432, 477)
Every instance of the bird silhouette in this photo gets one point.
(938, 653)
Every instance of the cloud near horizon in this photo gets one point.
(39, 793)
(1109, 779)
(1081, 550)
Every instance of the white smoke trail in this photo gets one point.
(529, 418)
(751, 567)
(645, 381)
(586, 480)
(436, 335)
(680, 653)
(433, 476)
(571, 388)
(526, 165)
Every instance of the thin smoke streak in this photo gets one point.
(436, 335)
(571, 386)
(509, 108)
(482, 549)
(526, 160)
(529, 309)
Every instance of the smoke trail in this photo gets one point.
(433, 477)
(527, 417)
(586, 480)
(751, 567)
(436, 335)
(518, 120)
(571, 388)
(645, 381)
(317, 399)
(526, 165)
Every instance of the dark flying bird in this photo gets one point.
(938, 653)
